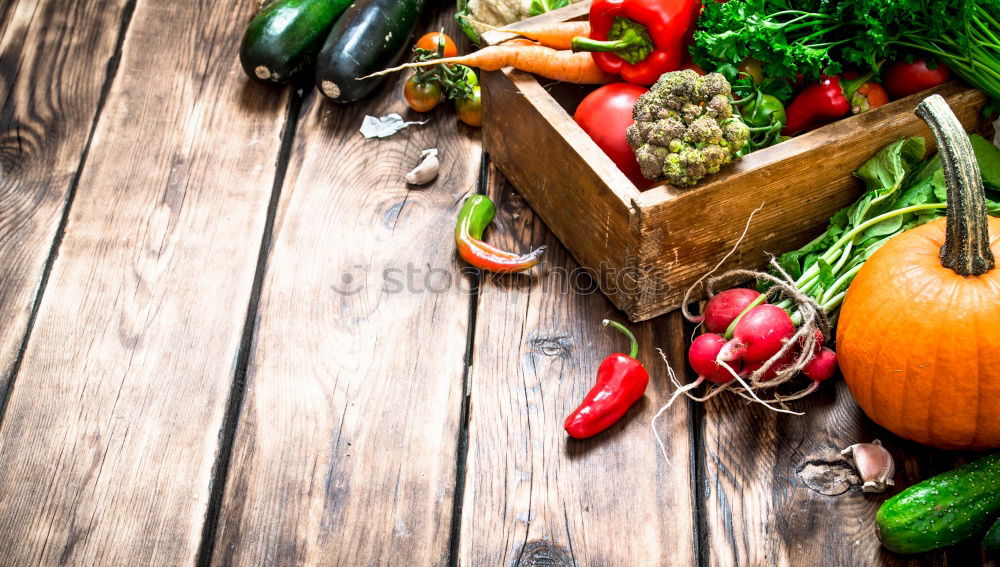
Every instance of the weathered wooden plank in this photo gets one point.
(112, 428)
(346, 448)
(777, 492)
(49, 103)
(534, 496)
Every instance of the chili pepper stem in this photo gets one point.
(634, 346)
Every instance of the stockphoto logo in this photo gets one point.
(416, 279)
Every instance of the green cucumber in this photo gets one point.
(942, 510)
(284, 37)
(371, 36)
(992, 538)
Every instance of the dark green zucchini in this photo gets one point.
(283, 38)
(371, 36)
(942, 510)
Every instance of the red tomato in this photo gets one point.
(422, 97)
(431, 40)
(604, 115)
(903, 79)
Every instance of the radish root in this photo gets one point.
(813, 318)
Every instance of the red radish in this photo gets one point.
(724, 308)
(759, 335)
(703, 356)
(822, 366)
(817, 344)
(779, 365)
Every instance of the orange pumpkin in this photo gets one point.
(919, 333)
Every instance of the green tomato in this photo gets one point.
(470, 76)
(763, 112)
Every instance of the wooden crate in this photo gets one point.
(646, 248)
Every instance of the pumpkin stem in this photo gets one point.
(966, 249)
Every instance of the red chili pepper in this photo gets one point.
(621, 381)
(477, 213)
(829, 100)
(639, 39)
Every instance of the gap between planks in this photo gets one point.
(234, 405)
(462, 450)
(110, 75)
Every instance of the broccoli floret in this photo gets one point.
(685, 128)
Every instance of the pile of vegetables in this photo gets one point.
(761, 345)
(791, 69)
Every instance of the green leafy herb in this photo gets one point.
(815, 37)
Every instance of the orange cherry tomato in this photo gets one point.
(431, 41)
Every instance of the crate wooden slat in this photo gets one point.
(646, 248)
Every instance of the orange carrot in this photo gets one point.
(555, 64)
(557, 35)
(519, 41)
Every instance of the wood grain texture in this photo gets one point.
(778, 493)
(48, 108)
(346, 448)
(533, 496)
(111, 432)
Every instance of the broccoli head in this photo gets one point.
(685, 128)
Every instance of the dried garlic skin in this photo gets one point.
(874, 464)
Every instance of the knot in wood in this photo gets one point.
(561, 347)
(544, 554)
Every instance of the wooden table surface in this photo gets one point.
(232, 335)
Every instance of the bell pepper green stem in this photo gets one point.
(628, 39)
(634, 347)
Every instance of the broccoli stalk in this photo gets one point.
(685, 128)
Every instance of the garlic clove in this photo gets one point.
(874, 464)
(427, 170)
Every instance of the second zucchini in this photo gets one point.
(371, 35)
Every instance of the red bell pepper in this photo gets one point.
(621, 381)
(831, 99)
(639, 39)
(477, 213)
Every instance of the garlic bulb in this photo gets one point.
(874, 465)
(427, 170)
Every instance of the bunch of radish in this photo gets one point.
(748, 339)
